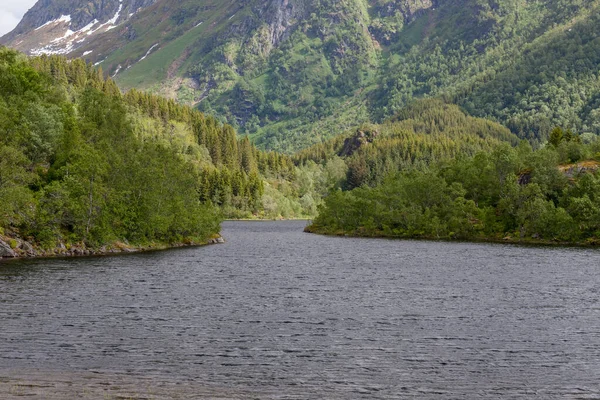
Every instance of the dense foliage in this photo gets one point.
(528, 65)
(508, 193)
(82, 163)
(73, 170)
(426, 132)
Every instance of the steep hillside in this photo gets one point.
(63, 26)
(291, 73)
(529, 65)
(260, 63)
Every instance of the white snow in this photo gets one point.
(65, 44)
(88, 27)
(148, 52)
(111, 22)
(63, 18)
(114, 19)
(200, 23)
(117, 71)
(99, 62)
(66, 35)
(88, 53)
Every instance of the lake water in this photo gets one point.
(276, 313)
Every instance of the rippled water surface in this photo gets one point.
(279, 314)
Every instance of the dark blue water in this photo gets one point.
(277, 313)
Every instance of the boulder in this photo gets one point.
(26, 247)
(6, 250)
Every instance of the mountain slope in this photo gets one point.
(425, 133)
(227, 54)
(292, 73)
(529, 65)
(62, 26)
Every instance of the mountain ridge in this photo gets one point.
(292, 73)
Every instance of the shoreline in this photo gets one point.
(14, 248)
(21, 250)
(506, 240)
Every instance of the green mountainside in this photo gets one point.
(292, 73)
(528, 65)
(423, 134)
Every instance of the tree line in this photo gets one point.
(80, 162)
(509, 193)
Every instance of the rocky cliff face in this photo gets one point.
(280, 16)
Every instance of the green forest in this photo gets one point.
(83, 164)
(509, 193)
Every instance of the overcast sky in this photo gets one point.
(11, 12)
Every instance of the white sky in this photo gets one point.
(11, 12)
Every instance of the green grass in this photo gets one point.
(156, 66)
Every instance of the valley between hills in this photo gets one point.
(352, 199)
(139, 124)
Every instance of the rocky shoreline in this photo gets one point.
(13, 248)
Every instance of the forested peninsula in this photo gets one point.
(509, 194)
(85, 169)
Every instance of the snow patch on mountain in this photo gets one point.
(117, 71)
(63, 18)
(111, 22)
(72, 39)
(148, 52)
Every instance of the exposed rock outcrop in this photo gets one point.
(583, 167)
(281, 15)
(6, 251)
(363, 136)
(571, 171)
